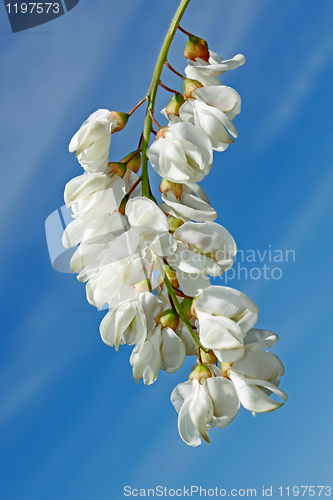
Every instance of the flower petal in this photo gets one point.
(225, 301)
(260, 365)
(252, 397)
(210, 239)
(139, 360)
(187, 430)
(192, 284)
(115, 323)
(189, 206)
(222, 98)
(183, 333)
(193, 262)
(257, 339)
(220, 333)
(180, 393)
(172, 351)
(225, 401)
(144, 212)
(201, 409)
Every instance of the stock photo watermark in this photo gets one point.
(252, 264)
(199, 491)
(259, 264)
(25, 15)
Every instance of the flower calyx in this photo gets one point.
(174, 223)
(133, 162)
(196, 48)
(122, 119)
(161, 133)
(168, 319)
(190, 86)
(225, 367)
(174, 105)
(174, 187)
(200, 373)
(207, 358)
(117, 167)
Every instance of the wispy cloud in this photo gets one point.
(38, 91)
(305, 220)
(287, 107)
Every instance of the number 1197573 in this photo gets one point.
(30, 8)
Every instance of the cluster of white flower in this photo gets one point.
(124, 237)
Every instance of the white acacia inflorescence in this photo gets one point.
(125, 240)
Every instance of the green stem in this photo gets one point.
(153, 90)
(176, 303)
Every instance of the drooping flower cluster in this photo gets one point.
(152, 264)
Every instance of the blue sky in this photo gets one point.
(73, 423)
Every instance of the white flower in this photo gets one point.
(162, 349)
(92, 257)
(92, 141)
(128, 321)
(201, 406)
(204, 248)
(115, 237)
(106, 283)
(148, 220)
(85, 185)
(183, 154)
(143, 212)
(204, 71)
(256, 375)
(193, 204)
(116, 249)
(94, 194)
(225, 316)
(86, 229)
(213, 110)
(94, 198)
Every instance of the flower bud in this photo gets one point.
(134, 163)
(208, 358)
(200, 372)
(161, 133)
(174, 105)
(196, 48)
(122, 119)
(171, 275)
(168, 318)
(174, 223)
(117, 168)
(176, 189)
(190, 86)
(122, 205)
(143, 286)
(186, 306)
(225, 367)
